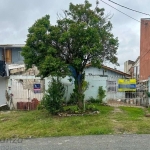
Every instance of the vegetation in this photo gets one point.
(53, 98)
(101, 94)
(83, 35)
(74, 96)
(148, 94)
(128, 120)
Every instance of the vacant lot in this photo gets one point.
(110, 120)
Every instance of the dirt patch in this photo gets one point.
(117, 110)
(4, 119)
(77, 114)
(118, 103)
(5, 112)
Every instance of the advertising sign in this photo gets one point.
(126, 85)
(37, 88)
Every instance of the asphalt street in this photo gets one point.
(92, 142)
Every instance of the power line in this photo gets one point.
(129, 8)
(120, 11)
(129, 17)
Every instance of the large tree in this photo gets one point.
(81, 35)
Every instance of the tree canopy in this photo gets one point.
(81, 35)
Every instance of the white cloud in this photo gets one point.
(17, 16)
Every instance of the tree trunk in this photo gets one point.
(79, 93)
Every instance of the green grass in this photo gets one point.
(131, 113)
(36, 123)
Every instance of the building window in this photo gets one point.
(111, 86)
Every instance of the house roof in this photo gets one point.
(111, 69)
(11, 45)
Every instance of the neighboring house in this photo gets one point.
(105, 77)
(11, 61)
(10, 55)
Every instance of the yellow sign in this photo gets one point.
(126, 85)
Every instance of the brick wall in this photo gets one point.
(145, 49)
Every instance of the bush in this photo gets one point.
(75, 96)
(4, 107)
(71, 109)
(53, 98)
(92, 100)
(41, 105)
(101, 94)
(91, 108)
(73, 99)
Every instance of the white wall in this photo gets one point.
(3, 82)
(95, 78)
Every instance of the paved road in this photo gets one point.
(99, 142)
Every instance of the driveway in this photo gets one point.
(92, 142)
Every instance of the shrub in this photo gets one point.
(92, 100)
(101, 94)
(41, 105)
(92, 108)
(76, 95)
(53, 98)
(73, 98)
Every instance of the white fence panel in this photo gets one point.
(22, 95)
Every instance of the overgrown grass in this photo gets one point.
(39, 123)
(131, 120)
(133, 112)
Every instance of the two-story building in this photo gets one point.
(10, 57)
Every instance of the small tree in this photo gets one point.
(53, 97)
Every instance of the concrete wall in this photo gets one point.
(95, 78)
(144, 49)
(3, 82)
